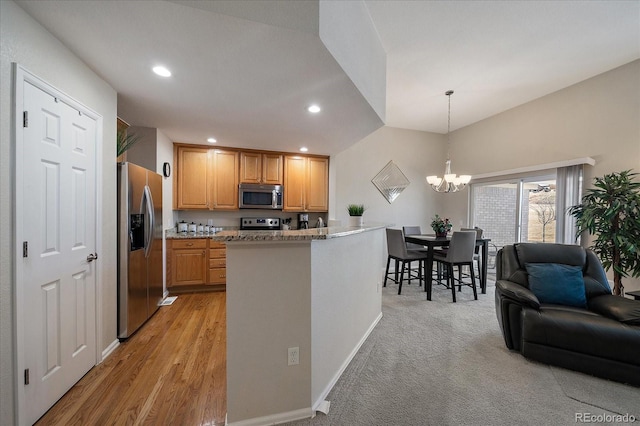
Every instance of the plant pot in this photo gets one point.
(355, 221)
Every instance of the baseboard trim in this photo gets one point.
(274, 419)
(109, 349)
(321, 399)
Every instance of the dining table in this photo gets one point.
(430, 241)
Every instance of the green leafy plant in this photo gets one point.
(125, 141)
(356, 209)
(611, 212)
(440, 225)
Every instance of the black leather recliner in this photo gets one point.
(602, 340)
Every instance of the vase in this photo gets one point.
(355, 221)
(441, 234)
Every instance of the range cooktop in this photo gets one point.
(259, 223)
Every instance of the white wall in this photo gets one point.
(347, 31)
(598, 118)
(164, 153)
(24, 41)
(416, 153)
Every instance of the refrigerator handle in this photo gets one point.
(150, 223)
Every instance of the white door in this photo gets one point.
(58, 175)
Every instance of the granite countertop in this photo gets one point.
(289, 235)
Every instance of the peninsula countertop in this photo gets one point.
(281, 235)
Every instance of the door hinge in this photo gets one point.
(25, 118)
(25, 249)
(26, 376)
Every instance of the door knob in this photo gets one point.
(92, 257)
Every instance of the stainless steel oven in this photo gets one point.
(252, 196)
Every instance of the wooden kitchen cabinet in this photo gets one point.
(192, 178)
(317, 184)
(206, 178)
(224, 173)
(306, 184)
(217, 263)
(261, 168)
(189, 262)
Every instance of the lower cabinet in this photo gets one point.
(217, 263)
(195, 264)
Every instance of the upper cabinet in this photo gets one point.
(192, 178)
(261, 168)
(306, 184)
(206, 178)
(224, 188)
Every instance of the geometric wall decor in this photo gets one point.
(390, 181)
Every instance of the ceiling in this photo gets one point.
(244, 72)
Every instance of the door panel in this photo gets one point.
(155, 268)
(58, 215)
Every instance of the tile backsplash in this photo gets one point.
(231, 219)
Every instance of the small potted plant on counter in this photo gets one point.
(355, 211)
(440, 226)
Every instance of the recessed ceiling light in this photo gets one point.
(314, 109)
(162, 71)
(212, 140)
(304, 149)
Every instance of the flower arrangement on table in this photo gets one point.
(441, 226)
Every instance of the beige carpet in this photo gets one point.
(439, 363)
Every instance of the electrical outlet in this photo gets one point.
(293, 357)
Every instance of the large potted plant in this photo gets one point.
(611, 212)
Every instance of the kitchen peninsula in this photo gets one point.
(318, 290)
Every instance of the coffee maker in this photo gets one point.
(303, 221)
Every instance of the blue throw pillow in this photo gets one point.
(557, 283)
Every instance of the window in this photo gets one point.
(516, 210)
(530, 204)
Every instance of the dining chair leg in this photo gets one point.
(386, 274)
(451, 279)
(459, 278)
(401, 276)
(473, 283)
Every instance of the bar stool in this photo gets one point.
(460, 253)
(397, 250)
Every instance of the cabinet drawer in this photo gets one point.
(216, 245)
(198, 243)
(217, 253)
(218, 263)
(217, 275)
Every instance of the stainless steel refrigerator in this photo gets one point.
(139, 246)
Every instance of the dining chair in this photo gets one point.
(397, 250)
(460, 253)
(413, 230)
(476, 252)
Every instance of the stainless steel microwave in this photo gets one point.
(253, 196)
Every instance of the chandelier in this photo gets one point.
(449, 182)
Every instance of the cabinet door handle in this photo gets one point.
(203, 253)
(189, 244)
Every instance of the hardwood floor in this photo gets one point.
(172, 371)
